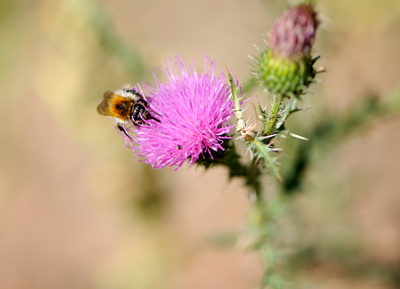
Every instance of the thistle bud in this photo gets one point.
(286, 67)
(294, 32)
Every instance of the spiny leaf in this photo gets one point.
(263, 151)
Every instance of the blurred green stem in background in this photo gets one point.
(333, 128)
(131, 57)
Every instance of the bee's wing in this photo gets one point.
(103, 107)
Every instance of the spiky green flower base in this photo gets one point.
(285, 76)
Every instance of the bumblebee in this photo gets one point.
(125, 106)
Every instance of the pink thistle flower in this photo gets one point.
(193, 112)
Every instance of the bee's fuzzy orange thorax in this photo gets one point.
(120, 107)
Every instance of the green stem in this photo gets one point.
(269, 125)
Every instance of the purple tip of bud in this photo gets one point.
(294, 31)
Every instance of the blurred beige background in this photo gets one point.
(78, 211)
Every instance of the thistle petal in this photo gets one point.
(194, 110)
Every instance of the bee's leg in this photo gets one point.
(124, 131)
(139, 95)
(135, 122)
(147, 115)
(152, 117)
(144, 116)
(155, 112)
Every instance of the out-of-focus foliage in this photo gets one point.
(78, 211)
